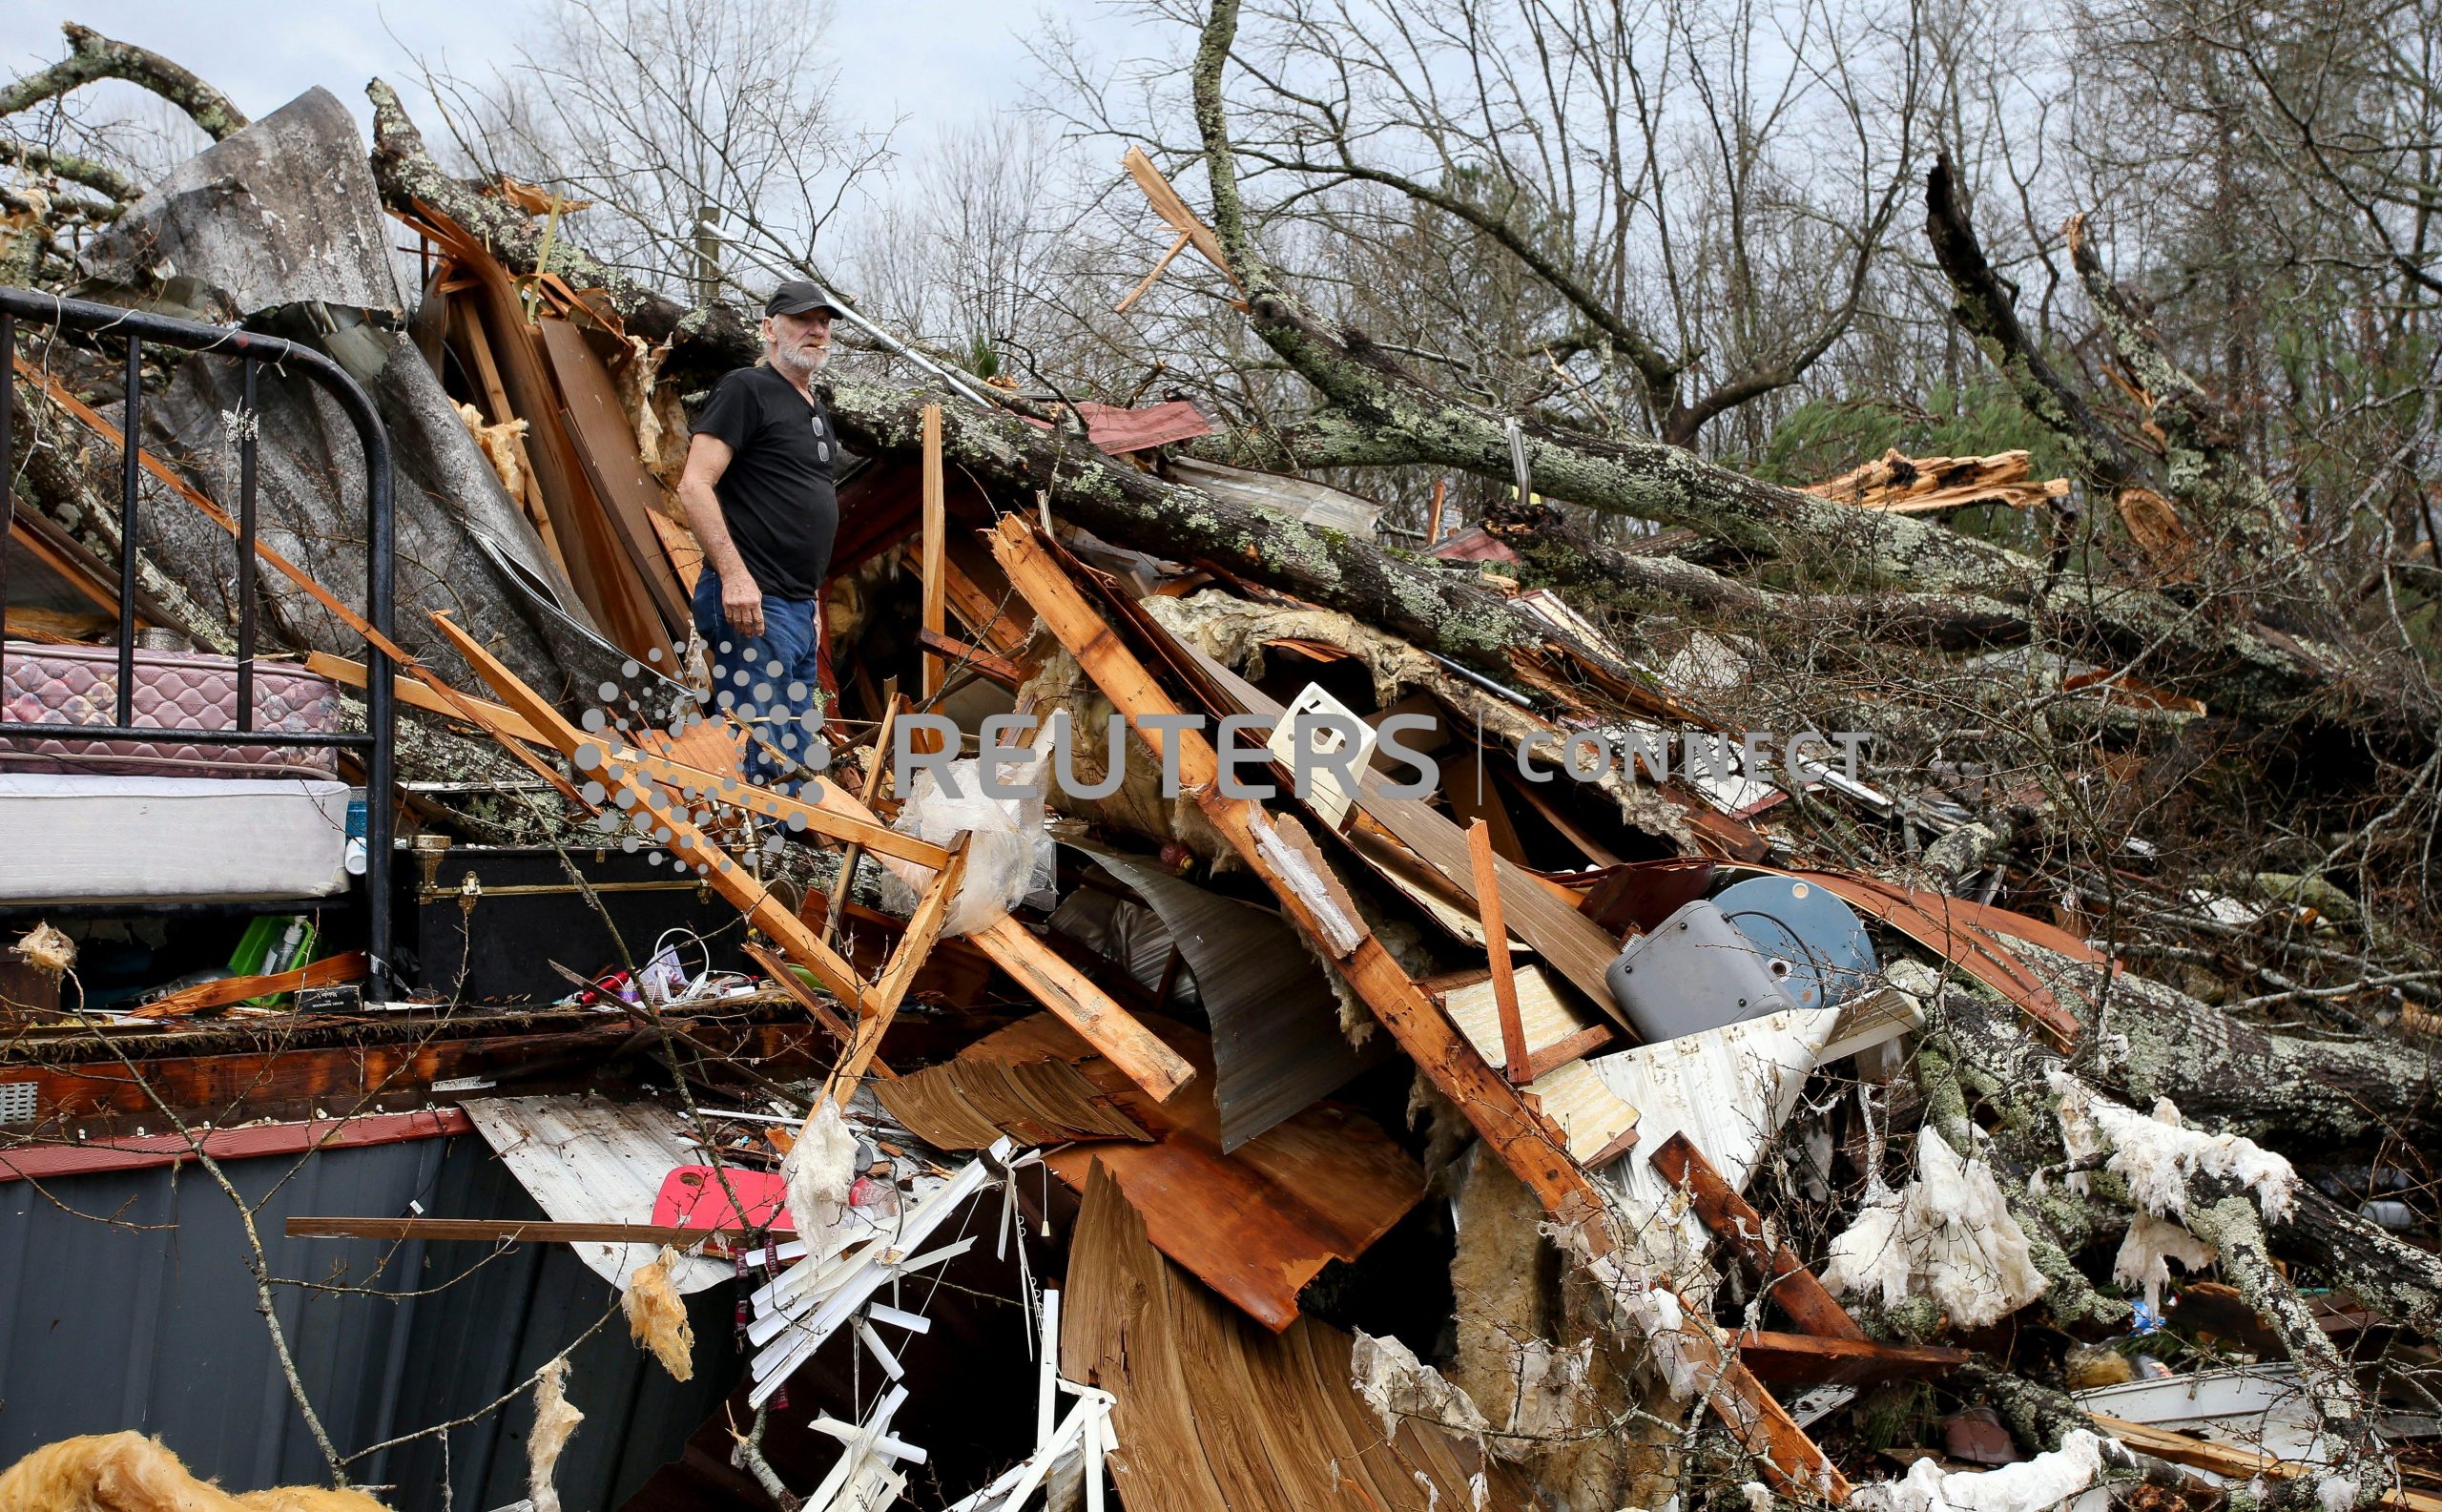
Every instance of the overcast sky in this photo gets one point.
(946, 60)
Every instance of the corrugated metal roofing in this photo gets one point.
(128, 1305)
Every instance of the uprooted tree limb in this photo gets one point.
(93, 56)
(1375, 413)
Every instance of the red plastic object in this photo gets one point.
(691, 1197)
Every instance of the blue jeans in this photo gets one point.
(771, 683)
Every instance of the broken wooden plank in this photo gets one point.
(875, 773)
(2236, 1460)
(1519, 1135)
(974, 658)
(686, 842)
(1517, 1061)
(508, 1230)
(1599, 1124)
(1810, 1360)
(1544, 917)
(603, 441)
(1773, 1265)
(354, 966)
(882, 1004)
(936, 541)
(352, 674)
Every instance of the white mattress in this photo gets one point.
(77, 839)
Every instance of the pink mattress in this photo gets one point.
(174, 691)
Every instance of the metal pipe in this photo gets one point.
(246, 550)
(129, 474)
(7, 466)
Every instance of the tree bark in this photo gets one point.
(1438, 608)
(1560, 555)
(95, 56)
(1376, 414)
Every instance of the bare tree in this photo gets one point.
(704, 137)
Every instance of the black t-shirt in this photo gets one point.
(776, 495)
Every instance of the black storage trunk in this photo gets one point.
(483, 924)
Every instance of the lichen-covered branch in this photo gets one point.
(1985, 305)
(93, 56)
(1422, 602)
(1377, 414)
(92, 173)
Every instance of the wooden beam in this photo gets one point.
(352, 674)
(997, 668)
(936, 542)
(352, 966)
(1512, 1128)
(915, 944)
(1146, 282)
(1773, 1265)
(1576, 1048)
(1518, 1061)
(687, 843)
(874, 771)
(510, 1231)
(2236, 1460)
(1810, 1360)
(1084, 1006)
(832, 813)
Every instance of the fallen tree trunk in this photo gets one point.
(95, 56)
(1558, 554)
(1375, 413)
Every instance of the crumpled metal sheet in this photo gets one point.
(1278, 1048)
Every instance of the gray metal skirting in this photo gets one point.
(128, 1305)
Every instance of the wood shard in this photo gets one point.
(968, 1104)
(1215, 1413)
(1254, 1226)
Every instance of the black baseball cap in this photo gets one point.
(797, 296)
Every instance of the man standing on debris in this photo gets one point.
(757, 490)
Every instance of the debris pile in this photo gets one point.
(1418, 1039)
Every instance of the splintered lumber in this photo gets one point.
(506, 1231)
(936, 530)
(882, 1004)
(415, 694)
(1544, 917)
(687, 843)
(1175, 213)
(1518, 1134)
(2236, 1460)
(1517, 1062)
(352, 967)
(1058, 986)
(1810, 1360)
(1773, 1265)
(856, 851)
(1898, 484)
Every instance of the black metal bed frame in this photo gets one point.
(379, 739)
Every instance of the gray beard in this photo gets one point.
(798, 369)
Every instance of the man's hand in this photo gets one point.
(742, 602)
